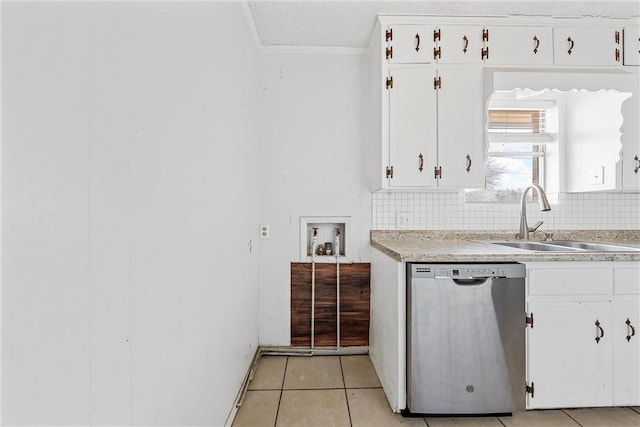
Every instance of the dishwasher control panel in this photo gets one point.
(466, 271)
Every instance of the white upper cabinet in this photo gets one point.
(409, 44)
(461, 162)
(631, 44)
(519, 45)
(587, 46)
(435, 127)
(412, 127)
(432, 76)
(458, 44)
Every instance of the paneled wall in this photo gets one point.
(129, 212)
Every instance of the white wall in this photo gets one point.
(130, 212)
(312, 157)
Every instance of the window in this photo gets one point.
(517, 140)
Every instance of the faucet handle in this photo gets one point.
(536, 226)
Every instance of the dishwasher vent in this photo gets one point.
(423, 270)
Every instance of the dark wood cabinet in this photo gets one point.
(354, 304)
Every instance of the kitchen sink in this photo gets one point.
(594, 247)
(535, 246)
(567, 246)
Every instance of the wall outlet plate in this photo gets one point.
(264, 231)
(404, 220)
(596, 175)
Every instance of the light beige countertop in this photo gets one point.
(474, 246)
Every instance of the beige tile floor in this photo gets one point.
(345, 391)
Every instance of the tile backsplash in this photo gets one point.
(448, 211)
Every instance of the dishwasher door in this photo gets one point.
(465, 338)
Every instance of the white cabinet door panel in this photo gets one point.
(570, 281)
(631, 54)
(412, 127)
(524, 45)
(594, 46)
(564, 361)
(626, 352)
(411, 44)
(459, 44)
(626, 281)
(460, 128)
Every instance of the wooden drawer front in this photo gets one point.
(354, 304)
(626, 281)
(570, 281)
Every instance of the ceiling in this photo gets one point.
(349, 23)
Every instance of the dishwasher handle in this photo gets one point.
(472, 281)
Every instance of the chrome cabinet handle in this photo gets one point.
(570, 45)
(421, 162)
(466, 44)
(600, 332)
(633, 330)
(637, 168)
(537, 41)
(417, 42)
(468, 169)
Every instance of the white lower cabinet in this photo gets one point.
(625, 336)
(567, 366)
(578, 353)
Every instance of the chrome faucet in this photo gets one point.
(544, 206)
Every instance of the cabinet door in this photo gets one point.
(410, 44)
(630, 153)
(593, 46)
(523, 45)
(412, 127)
(631, 52)
(564, 361)
(458, 44)
(625, 334)
(461, 128)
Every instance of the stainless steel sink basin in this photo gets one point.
(594, 247)
(567, 246)
(536, 246)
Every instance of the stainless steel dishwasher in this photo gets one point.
(465, 339)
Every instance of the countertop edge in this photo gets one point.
(457, 246)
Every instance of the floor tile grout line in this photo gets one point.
(363, 388)
(573, 419)
(284, 374)
(314, 389)
(346, 398)
(634, 410)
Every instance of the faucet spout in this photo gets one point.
(544, 206)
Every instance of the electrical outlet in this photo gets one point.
(596, 175)
(404, 220)
(264, 231)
